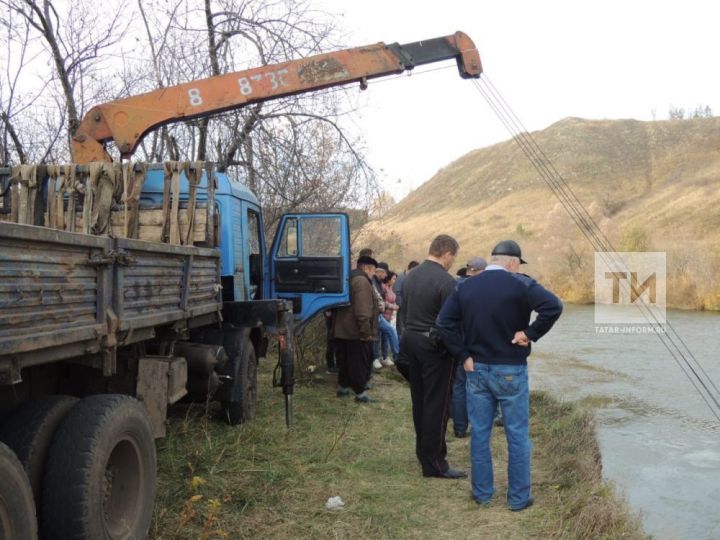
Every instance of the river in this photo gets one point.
(660, 442)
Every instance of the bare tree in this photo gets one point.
(14, 54)
(381, 204)
(293, 153)
(676, 113)
(278, 148)
(702, 111)
(75, 38)
(162, 142)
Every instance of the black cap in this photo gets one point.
(510, 248)
(366, 260)
(384, 266)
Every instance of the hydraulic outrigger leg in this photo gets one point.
(286, 362)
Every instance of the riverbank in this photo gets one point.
(657, 435)
(260, 481)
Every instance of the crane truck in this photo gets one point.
(126, 287)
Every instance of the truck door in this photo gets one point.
(310, 262)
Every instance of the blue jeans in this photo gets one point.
(458, 405)
(385, 344)
(507, 385)
(387, 331)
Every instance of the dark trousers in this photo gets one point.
(329, 344)
(354, 361)
(400, 323)
(431, 376)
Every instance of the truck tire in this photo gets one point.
(100, 475)
(239, 402)
(17, 508)
(29, 431)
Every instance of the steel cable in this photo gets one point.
(597, 238)
(603, 242)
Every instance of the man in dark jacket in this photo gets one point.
(486, 325)
(355, 327)
(430, 370)
(398, 289)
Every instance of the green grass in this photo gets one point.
(261, 481)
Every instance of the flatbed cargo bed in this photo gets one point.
(65, 294)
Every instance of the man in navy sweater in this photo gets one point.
(485, 324)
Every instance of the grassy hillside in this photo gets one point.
(650, 186)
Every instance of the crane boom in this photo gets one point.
(126, 121)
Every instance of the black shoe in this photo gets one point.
(343, 392)
(482, 503)
(331, 370)
(528, 504)
(461, 434)
(450, 474)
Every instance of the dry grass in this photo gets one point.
(261, 481)
(650, 181)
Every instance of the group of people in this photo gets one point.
(363, 335)
(462, 342)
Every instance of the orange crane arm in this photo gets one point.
(127, 121)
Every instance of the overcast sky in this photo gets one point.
(550, 59)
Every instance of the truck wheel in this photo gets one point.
(29, 431)
(100, 475)
(239, 398)
(17, 509)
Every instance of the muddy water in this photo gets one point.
(660, 442)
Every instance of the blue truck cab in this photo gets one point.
(308, 263)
